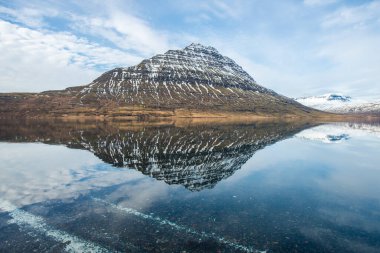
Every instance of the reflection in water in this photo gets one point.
(193, 187)
(195, 156)
(336, 133)
(32, 173)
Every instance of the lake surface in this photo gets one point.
(202, 187)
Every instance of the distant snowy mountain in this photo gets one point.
(339, 103)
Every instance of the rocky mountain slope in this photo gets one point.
(338, 103)
(196, 78)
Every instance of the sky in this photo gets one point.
(297, 48)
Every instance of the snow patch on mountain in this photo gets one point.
(339, 103)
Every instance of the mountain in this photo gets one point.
(197, 156)
(338, 103)
(196, 80)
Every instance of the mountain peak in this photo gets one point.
(199, 47)
(337, 97)
(333, 97)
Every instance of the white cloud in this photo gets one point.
(39, 60)
(357, 16)
(125, 31)
(319, 2)
(28, 16)
(205, 11)
(355, 63)
(223, 9)
(349, 41)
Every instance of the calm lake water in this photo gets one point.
(159, 187)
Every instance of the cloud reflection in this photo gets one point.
(32, 173)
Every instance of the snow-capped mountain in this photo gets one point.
(339, 103)
(195, 69)
(196, 77)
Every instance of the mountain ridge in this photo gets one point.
(198, 71)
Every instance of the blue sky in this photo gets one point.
(295, 47)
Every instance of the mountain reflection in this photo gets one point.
(340, 132)
(196, 156)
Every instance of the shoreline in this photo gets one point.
(188, 116)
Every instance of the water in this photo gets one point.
(201, 187)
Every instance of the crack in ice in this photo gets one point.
(74, 243)
(185, 229)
